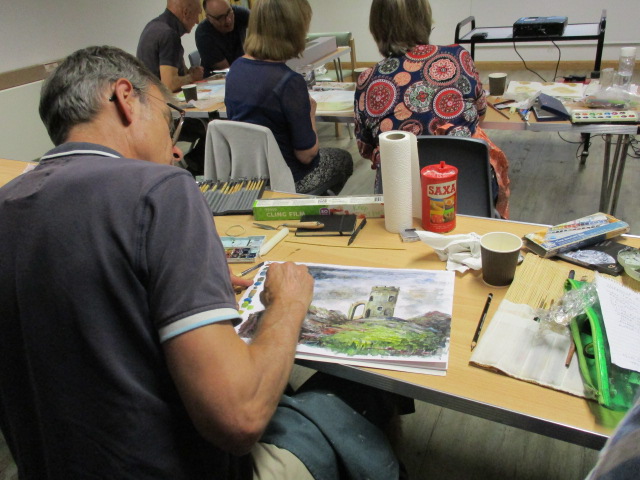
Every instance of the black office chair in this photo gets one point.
(471, 157)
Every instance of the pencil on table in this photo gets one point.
(491, 105)
(572, 350)
(474, 342)
(243, 195)
(220, 195)
(572, 344)
(222, 207)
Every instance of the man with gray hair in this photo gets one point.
(119, 355)
(160, 47)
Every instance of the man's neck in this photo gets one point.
(90, 133)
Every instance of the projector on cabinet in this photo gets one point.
(539, 26)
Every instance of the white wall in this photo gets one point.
(36, 32)
(40, 31)
(622, 18)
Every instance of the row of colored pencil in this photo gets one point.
(234, 196)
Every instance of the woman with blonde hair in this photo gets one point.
(421, 88)
(261, 89)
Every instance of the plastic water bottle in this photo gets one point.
(625, 66)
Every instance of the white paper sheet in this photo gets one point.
(514, 345)
(333, 100)
(621, 315)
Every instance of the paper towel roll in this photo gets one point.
(396, 162)
(416, 184)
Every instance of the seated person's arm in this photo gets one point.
(221, 65)
(212, 57)
(230, 388)
(169, 76)
(307, 156)
(364, 139)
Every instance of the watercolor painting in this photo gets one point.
(387, 318)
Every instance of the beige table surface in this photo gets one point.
(464, 388)
(9, 169)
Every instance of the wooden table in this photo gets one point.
(219, 109)
(464, 388)
(10, 169)
(615, 152)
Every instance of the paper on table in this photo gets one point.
(333, 100)
(517, 89)
(621, 315)
(514, 345)
(206, 92)
(404, 325)
(511, 343)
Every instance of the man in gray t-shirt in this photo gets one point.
(119, 354)
(160, 47)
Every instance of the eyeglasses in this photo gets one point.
(221, 18)
(174, 129)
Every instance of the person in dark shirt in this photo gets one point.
(161, 50)
(160, 47)
(220, 36)
(119, 353)
(261, 89)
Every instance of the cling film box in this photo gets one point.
(370, 206)
(575, 234)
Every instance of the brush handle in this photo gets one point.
(311, 225)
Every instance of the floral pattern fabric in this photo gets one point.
(428, 87)
(430, 90)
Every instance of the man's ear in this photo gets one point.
(124, 99)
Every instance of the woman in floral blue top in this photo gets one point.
(421, 88)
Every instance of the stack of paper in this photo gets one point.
(333, 100)
(519, 90)
(395, 319)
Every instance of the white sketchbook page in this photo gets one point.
(621, 315)
(338, 287)
(333, 100)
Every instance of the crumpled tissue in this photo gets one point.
(461, 252)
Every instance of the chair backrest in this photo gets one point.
(235, 150)
(471, 157)
(194, 58)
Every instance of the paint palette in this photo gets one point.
(242, 249)
(247, 304)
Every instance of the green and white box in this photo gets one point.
(370, 206)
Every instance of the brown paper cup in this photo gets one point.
(499, 252)
(190, 92)
(497, 83)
